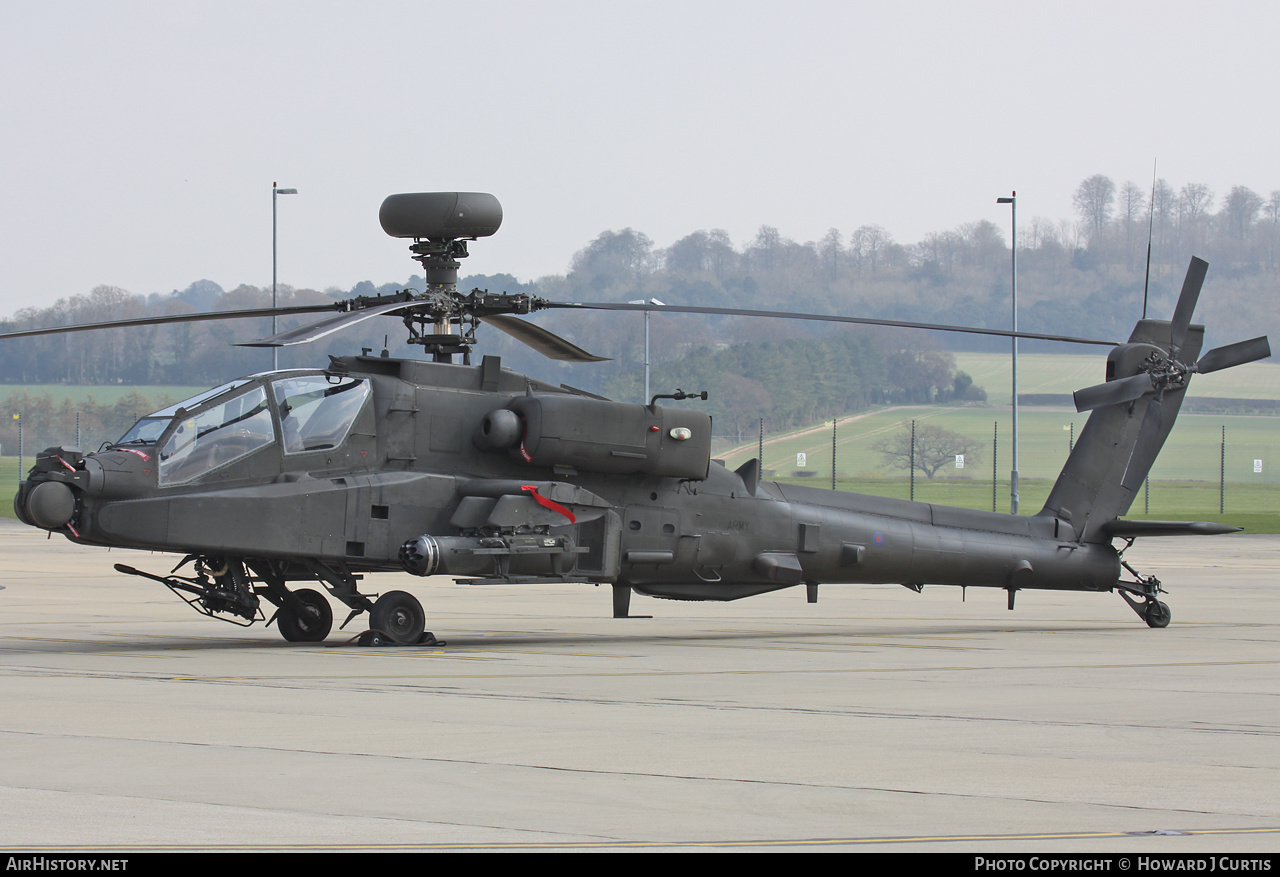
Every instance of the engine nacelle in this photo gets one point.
(500, 429)
(612, 438)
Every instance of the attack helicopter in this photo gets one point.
(440, 466)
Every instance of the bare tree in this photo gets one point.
(831, 254)
(1164, 201)
(616, 255)
(1240, 209)
(742, 402)
(1093, 200)
(935, 447)
(688, 255)
(1273, 208)
(984, 244)
(1193, 204)
(868, 245)
(1133, 203)
(1038, 232)
(940, 248)
(1072, 233)
(1196, 198)
(721, 256)
(1271, 211)
(764, 250)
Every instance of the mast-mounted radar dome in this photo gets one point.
(440, 215)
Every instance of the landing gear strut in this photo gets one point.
(1151, 610)
(229, 589)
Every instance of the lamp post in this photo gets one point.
(647, 312)
(275, 191)
(1012, 201)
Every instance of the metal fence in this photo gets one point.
(1210, 465)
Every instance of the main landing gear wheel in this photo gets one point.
(312, 620)
(398, 615)
(1157, 614)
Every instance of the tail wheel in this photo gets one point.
(1143, 602)
(307, 618)
(399, 615)
(1157, 614)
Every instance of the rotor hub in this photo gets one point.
(440, 224)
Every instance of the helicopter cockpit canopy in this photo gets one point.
(214, 428)
(149, 429)
(316, 412)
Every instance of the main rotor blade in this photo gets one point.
(547, 343)
(327, 326)
(1113, 392)
(172, 318)
(1234, 354)
(1186, 306)
(822, 318)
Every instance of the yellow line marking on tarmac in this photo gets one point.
(721, 844)
(651, 673)
(656, 673)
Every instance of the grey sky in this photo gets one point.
(141, 139)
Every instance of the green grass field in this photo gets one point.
(1193, 452)
(1185, 483)
(106, 394)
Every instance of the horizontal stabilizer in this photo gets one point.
(1134, 529)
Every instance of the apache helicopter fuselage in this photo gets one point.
(479, 472)
(377, 464)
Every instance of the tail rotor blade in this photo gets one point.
(1187, 303)
(1234, 354)
(1113, 392)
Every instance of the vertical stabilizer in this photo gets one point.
(1134, 411)
(1122, 438)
